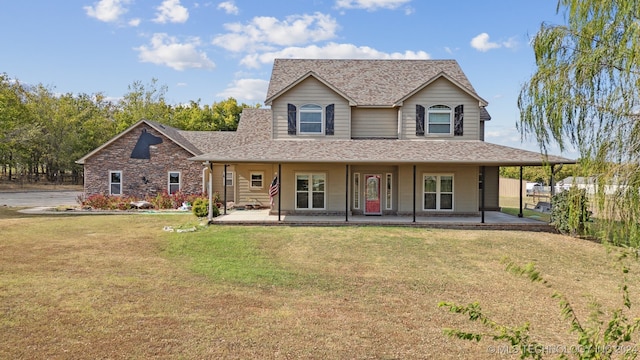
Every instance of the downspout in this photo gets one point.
(484, 185)
(520, 213)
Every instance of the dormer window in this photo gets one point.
(310, 119)
(439, 120)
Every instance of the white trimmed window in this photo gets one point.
(174, 182)
(256, 180)
(389, 192)
(439, 119)
(311, 119)
(437, 192)
(356, 190)
(310, 191)
(228, 182)
(115, 182)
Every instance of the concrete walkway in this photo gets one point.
(493, 220)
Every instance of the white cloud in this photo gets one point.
(262, 33)
(329, 51)
(482, 43)
(171, 11)
(134, 22)
(229, 7)
(246, 90)
(107, 10)
(370, 5)
(166, 50)
(449, 50)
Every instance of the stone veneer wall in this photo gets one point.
(166, 156)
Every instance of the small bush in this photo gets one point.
(570, 211)
(162, 200)
(201, 207)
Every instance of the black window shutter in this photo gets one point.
(419, 120)
(291, 119)
(458, 120)
(329, 111)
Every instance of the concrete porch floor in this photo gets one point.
(494, 220)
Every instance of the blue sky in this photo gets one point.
(211, 50)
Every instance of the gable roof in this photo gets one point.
(173, 134)
(368, 82)
(254, 144)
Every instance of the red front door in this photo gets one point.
(372, 195)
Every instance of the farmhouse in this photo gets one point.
(370, 137)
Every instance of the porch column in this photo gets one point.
(210, 192)
(224, 185)
(484, 185)
(520, 213)
(346, 193)
(414, 193)
(279, 192)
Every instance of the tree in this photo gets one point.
(15, 123)
(142, 102)
(585, 94)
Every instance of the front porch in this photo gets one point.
(493, 220)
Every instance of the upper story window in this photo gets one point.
(310, 119)
(439, 120)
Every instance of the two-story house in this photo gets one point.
(372, 137)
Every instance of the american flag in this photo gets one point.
(273, 189)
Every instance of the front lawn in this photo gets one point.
(121, 287)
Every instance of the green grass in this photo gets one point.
(72, 287)
(530, 214)
(232, 255)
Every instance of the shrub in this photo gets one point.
(201, 207)
(570, 211)
(162, 200)
(108, 202)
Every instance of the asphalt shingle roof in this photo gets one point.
(367, 82)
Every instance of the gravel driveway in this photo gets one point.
(39, 198)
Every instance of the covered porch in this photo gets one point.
(493, 220)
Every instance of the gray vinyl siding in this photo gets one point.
(374, 123)
(442, 92)
(247, 194)
(218, 181)
(492, 189)
(465, 188)
(334, 186)
(311, 91)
